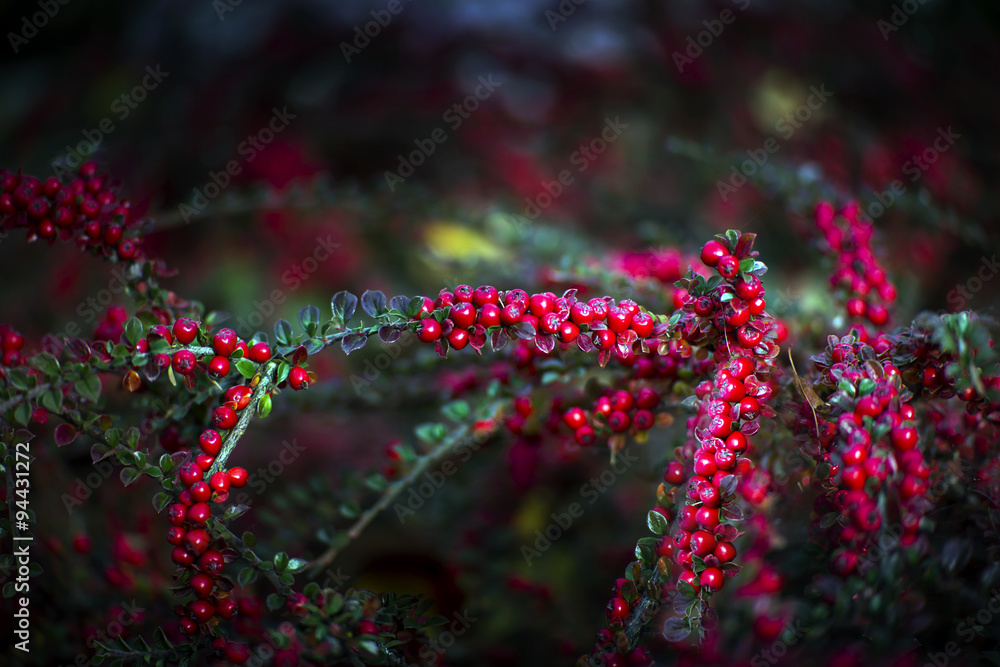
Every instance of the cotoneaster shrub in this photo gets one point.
(832, 513)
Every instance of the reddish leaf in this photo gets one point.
(65, 434)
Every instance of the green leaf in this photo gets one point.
(343, 305)
(296, 565)
(246, 368)
(657, 523)
(309, 319)
(274, 601)
(46, 363)
(283, 332)
(373, 302)
(166, 464)
(264, 406)
(246, 576)
(89, 387)
(128, 475)
(161, 500)
(350, 509)
(430, 433)
(456, 410)
(249, 540)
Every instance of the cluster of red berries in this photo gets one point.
(224, 343)
(193, 545)
(469, 313)
(615, 412)
(871, 450)
(857, 269)
(729, 407)
(85, 210)
(12, 342)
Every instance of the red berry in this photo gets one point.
(224, 418)
(197, 541)
(463, 294)
(618, 421)
(220, 482)
(702, 543)
(619, 319)
(238, 477)
(511, 314)
(749, 288)
(298, 378)
(219, 366)
(568, 332)
(177, 514)
(732, 391)
(604, 339)
(690, 578)
(489, 315)
(185, 330)
(598, 309)
(712, 252)
(540, 304)
(458, 338)
(226, 608)
(184, 362)
(585, 436)
(238, 396)
(204, 461)
(429, 330)
(224, 342)
(175, 535)
(617, 610)
(725, 552)
(856, 307)
(712, 579)
(189, 473)
(181, 556)
(463, 315)
(575, 418)
(549, 323)
(581, 313)
(199, 513)
(674, 473)
(728, 266)
(904, 439)
(202, 610)
(707, 518)
(210, 442)
(201, 492)
(757, 307)
(260, 352)
(202, 584)
(642, 324)
(485, 294)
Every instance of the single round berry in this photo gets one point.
(201, 610)
(298, 378)
(219, 366)
(712, 252)
(199, 514)
(619, 319)
(489, 315)
(642, 324)
(238, 477)
(568, 332)
(219, 482)
(712, 579)
(238, 397)
(202, 585)
(184, 362)
(458, 338)
(260, 352)
(428, 330)
(224, 418)
(182, 556)
(185, 330)
(189, 473)
(728, 266)
(702, 543)
(201, 492)
(617, 610)
(485, 294)
(463, 315)
(211, 562)
(674, 473)
(585, 436)
(210, 442)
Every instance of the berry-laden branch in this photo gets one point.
(725, 316)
